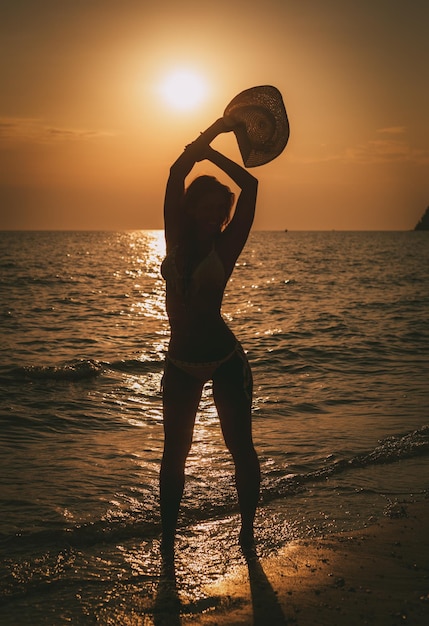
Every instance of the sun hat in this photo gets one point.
(260, 124)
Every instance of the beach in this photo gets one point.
(377, 575)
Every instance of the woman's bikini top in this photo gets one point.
(209, 274)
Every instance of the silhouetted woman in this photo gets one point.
(203, 244)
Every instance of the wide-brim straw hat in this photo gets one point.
(260, 124)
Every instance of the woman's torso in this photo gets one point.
(193, 301)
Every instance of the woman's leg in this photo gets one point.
(232, 392)
(181, 396)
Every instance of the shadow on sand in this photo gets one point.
(265, 604)
(168, 607)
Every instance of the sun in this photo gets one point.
(183, 89)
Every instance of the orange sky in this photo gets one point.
(86, 139)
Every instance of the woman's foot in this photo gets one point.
(247, 542)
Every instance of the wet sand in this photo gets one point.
(378, 575)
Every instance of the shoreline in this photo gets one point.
(378, 575)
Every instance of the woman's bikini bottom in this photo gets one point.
(206, 371)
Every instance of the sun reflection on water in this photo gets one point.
(146, 250)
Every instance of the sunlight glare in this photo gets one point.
(183, 89)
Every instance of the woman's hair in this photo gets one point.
(204, 185)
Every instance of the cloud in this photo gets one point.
(391, 147)
(387, 145)
(17, 129)
(386, 151)
(379, 150)
(392, 130)
(33, 130)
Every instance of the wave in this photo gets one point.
(137, 366)
(389, 450)
(78, 369)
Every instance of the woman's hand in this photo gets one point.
(224, 124)
(229, 123)
(207, 153)
(199, 148)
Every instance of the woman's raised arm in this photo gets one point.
(235, 235)
(180, 169)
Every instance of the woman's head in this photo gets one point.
(208, 203)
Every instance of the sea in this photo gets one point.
(336, 328)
